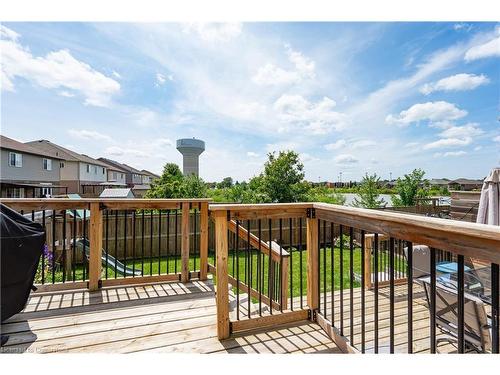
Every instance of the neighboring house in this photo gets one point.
(132, 176)
(117, 193)
(27, 172)
(465, 184)
(79, 172)
(148, 177)
(116, 175)
(439, 182)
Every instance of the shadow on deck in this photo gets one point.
(163, 317)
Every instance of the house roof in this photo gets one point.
(145, 171)
(11, 144)
(112, 167)
(123, 166)
(439, 181)
(465, 181)
(63, 153)
(116, 193)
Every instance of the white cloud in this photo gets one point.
(269, 74)
(58, 69)
(363, 143)
(252, 154)
(345, 159)
(467, 130)
(462, 26)
(116, 74)
(163, 142)
(214, 32)
(161, 79)
(449, 154)
(488, 49)
(477, 148)
(431, 111)
(336, 145)
(305, 157)
(457, 82)
(119, 151)
(496, 139)
(282, 146)
(448, 142)
(319, 118)
(91, 135)
(66, 94)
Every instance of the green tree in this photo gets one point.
(368, 193)
(169, 185)
(227, 182)
(283, 178)
(194, 187)
(325, 195)
(410, 187)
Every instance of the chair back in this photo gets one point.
(421, 260)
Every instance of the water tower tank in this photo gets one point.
(191, 149)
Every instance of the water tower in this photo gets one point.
(191, 149)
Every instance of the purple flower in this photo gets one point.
(48, 255)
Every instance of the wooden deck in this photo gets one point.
(164, 317)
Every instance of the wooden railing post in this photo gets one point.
(203, 241)
(95, 237)
(284, 282)
(312, 260)
(222, 292)
(185, 243)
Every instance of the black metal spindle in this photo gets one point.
(43, 254)
(290, 264)
(363, 283)
(319, 266)
(73, 247)
(84, 253)
(106, 241)
(116, 241)
(324, 269)
(409, 275)
(301, 264)
(391, 295)
(175, 239)
(332, 261)
(64, 247)
(124, 242)
(142, 242)
(281, 264)
(495, 313)
(461, 302)
(195, 215)
(168, 242)
(151, 243)
(237, 270)
(259, 268)
(134, 234)
(54, 246)
(351, 283)
(341, 272)
(159, 242)
(270, 276)
(432, 306)
(375, 310)
(249, 269)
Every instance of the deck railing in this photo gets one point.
(360, 279)
(103, 242)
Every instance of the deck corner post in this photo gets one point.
(96, 236)
(312, 262)
(222, 291)
(185, 243)
(203, 240)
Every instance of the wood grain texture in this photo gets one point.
(95, 232)
(312, 263)
(185, 243)
(222, 292)
(203, 240)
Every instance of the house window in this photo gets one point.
(15, 159)
(46, 191)
(103, 171)
(47, 164)
(88, 168)
(121, 176)
(15, 192)
(114, 176)
(95, 169)
(61, 165)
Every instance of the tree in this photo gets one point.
(193, 187)
(169, 185)
(283, 178)
(325, 195)
(368, 193)
(226, 183)
(410, 187)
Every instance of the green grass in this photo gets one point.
(238, 261)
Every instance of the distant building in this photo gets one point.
(148, 177)
(132, 176)
(77, 170)
(27, 172)
(117, 193)
(465, 184)
(191, 149)
(439, 182)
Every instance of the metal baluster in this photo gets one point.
(461, 303)
(124, 242)
(281, 265)
(432, 306)
(259, 269)
(332, 261)
(168, 241)
(375, 271)
(495, 313)
(290, 235)
(106, 242)
(324, 268)
(159, 242)
(270, 277)
(175, 239)
(363, 283)
(249, 268)
(237, 270)
(43, 255)
(116, 241)
(133, 241)
(151, 243)
(84, 254)
(351, 283)
(64, 247)
(73, 249)
(301, 264)
(409, 275)
(142, 242)
(319, 266)
(54, 246)
(341, 271)
(391, 294)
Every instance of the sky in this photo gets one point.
(350, 98)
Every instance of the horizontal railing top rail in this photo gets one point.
(105, 203)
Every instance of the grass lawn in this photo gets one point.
(240, 263)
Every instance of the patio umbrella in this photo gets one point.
(489, 203)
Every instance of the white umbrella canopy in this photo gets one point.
(489, 203)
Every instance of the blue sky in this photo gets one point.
(349, 97)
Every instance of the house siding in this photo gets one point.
(31, 170)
